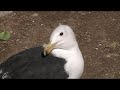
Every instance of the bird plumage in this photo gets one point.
(31, 64)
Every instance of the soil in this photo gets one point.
(97, 32)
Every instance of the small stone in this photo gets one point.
(11, 31)
(17, 40)
(83, 13)
(96, 48)
(25, 47)
(106, 74)
(100, 44)
(108, 55)
(3, 50)
(113, 19)
(35, 15)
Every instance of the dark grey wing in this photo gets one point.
(30, 64)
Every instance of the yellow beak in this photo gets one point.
(48, 48)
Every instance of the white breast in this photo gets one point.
(74, 62)
(75, 66)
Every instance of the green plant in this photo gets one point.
(5, 35)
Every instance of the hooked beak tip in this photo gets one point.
(48, 48)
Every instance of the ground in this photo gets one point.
(97, 32)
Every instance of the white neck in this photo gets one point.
(75, 63)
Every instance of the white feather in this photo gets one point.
(68, 49)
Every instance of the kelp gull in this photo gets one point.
(64, 62)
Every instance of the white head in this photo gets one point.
(62, 37)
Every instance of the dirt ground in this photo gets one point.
(97, 32)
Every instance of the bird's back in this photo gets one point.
(31, 64)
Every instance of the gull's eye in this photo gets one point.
(61, 33)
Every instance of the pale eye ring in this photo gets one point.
(61, 33)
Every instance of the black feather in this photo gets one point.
(31, 64)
